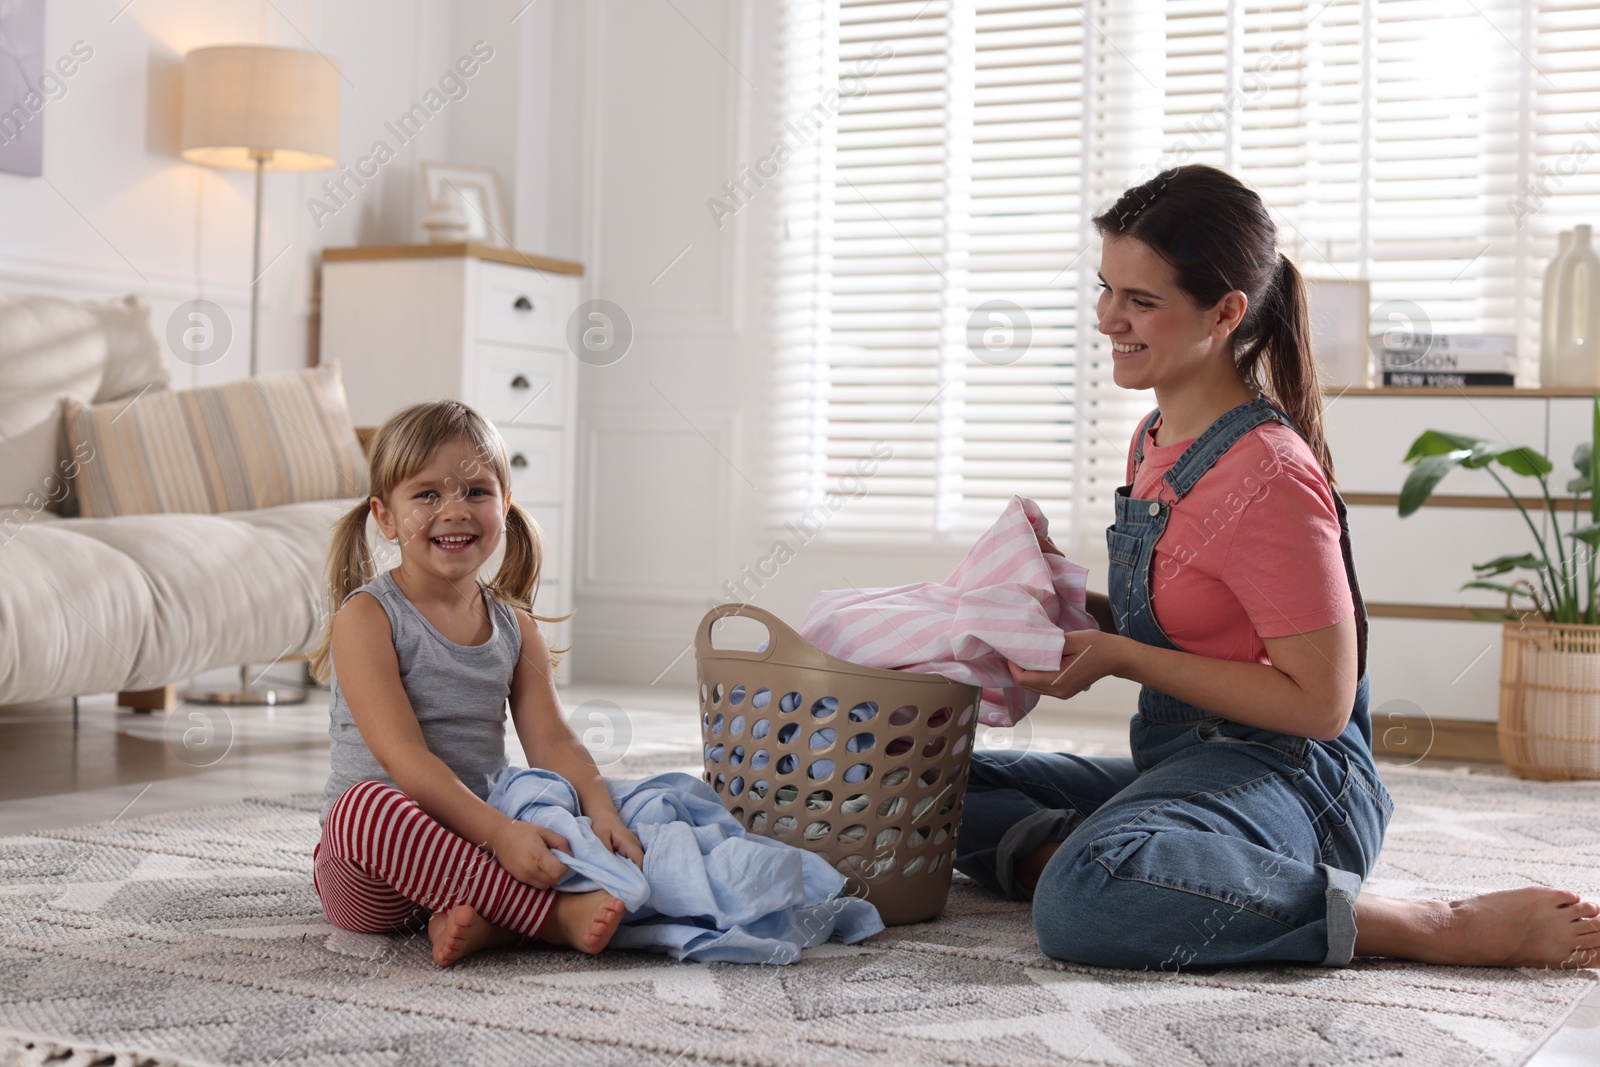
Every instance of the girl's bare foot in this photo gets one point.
(584, 921)
(1532, 927)
(461, 931)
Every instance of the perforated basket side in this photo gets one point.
(867, 768)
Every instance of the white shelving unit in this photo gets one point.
(1425, 646)
(483, 325)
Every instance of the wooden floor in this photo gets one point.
(52, 774)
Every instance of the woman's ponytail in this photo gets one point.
(350, 567)
(1282, 342)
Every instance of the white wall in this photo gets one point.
(118, 211)
(611, 122)
(674, 440)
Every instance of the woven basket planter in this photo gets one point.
(1550, 700)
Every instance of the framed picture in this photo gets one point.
(476, 191)
(23, 90)
(1339, 311)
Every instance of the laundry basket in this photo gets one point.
(865, 767)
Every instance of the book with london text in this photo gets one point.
(1457, 354)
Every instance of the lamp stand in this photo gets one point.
(247, 695)
(255, 261)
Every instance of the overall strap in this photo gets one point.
(1217, 439)
(1144, 431)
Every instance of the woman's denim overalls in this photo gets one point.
(1217, 842)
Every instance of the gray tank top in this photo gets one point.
(457, 691)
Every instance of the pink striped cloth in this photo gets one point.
(1007, 600)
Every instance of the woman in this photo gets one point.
(1252, 810)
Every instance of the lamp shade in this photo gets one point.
(245, 101)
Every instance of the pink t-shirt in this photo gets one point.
(1251, 552)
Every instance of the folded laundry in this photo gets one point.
(709, 890)
(1007, 600)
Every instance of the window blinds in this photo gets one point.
(944, 155)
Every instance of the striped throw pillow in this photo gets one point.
(256, 443)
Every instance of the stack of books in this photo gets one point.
(1445, 360)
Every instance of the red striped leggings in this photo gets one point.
(383, 864)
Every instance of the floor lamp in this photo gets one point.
(255, 107)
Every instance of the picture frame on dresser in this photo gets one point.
(484, 325)
(1339, 310)
(476, 191)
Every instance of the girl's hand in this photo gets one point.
(524, 850)
(1086, 657)
(1048, 547)
(616, 836)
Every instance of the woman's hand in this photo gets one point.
(1086, 657)
(617, 837)
(524, 850)
(1048, 547)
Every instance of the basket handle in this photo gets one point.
(778, 632)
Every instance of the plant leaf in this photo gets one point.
(1502, 587)
(1502, 564)
(1427, 474)
(1499, 615)
(1580, 484)
(1437, 442)
(1589, 535)
(1518, 458)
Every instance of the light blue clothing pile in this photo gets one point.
(709, 890)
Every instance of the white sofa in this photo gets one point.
(139, 602)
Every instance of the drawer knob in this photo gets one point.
(519, 382)
(522, 303)
(519, 460)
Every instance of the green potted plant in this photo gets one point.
(1550, 666)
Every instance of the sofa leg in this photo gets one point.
(144, 701)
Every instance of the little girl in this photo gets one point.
(421, 667)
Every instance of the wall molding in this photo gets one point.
(621, 655)
(1450, 739)
(1445, 500)
(93, 281)
(722, 434)
(729, 317)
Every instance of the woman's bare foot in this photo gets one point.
(584, 921)
(1532, 927)
(461, 931)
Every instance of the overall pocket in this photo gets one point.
(1353, 825)
(1121, 547)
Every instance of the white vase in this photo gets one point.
(1577, 340)
(1547, 324)
(445, 222)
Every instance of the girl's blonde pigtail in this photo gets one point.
(350, 567)
(517, 581)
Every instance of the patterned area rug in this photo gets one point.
(195, 939)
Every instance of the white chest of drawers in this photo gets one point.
(486, 326)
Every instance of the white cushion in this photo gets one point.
(51, 348)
